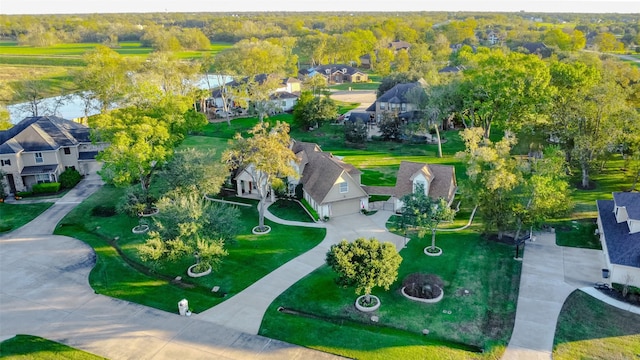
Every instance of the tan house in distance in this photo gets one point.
(38, 149)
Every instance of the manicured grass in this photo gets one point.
(289, 210)
(356, 86)
(13, 216)
(37, 348)
(250, 257)
(577, 233)
(590, 329)
(482, 319)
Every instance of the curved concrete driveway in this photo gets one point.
(549, 274)
(244, 311)
(44, 291)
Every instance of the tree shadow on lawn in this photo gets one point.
(588, 327)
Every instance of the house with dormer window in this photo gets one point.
(619, 229)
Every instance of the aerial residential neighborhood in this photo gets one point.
(319, 183)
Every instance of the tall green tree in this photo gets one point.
(105, 76)
(138, 145)
(311, 111)
(509, 90)
(194, 171)
(425, 214)
(365, 264)
(266, 156)
(592, 106)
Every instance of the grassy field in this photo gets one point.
(481, 319)
(37, 348)
(13, 216)
(77, 50)
(590, 329)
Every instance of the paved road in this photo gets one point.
(44, 291)
(549, 274)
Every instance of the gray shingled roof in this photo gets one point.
(631, 201)
(623, 248)
(38, 169)
(49, 133)
(321, 170)
(397, 94)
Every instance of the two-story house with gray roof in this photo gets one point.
(395, 100)
(336, 73)
(38, 149)
(619, 229)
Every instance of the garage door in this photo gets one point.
(345, 207)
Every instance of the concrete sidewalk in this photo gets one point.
(245, 310)
(549, 274)
(44, 291)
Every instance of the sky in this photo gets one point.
(138, 6)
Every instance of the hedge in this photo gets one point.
(46, 188)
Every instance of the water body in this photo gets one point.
(74, 106)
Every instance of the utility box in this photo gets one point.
(183, 307)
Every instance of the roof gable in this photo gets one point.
(630, 201)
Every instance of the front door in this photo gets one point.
(12, 183)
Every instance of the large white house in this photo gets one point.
(619, 228)
(38, 149)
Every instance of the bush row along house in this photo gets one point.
(619, 229)
(38, 149)
(334, 188)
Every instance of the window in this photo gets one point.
(344, 187)
(5, 162)
(403, 107)
(383, 105)
(67, 151)
(39, 157)
(43, 178)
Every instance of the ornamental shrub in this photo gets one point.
(69, 178)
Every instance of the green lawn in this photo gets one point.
(590, 329)
(577, 233)
(356, 86)
(483, 319)
(37, 348)
(290, 210)
(13, 216)
(121, 274)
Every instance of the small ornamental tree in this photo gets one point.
(425, 213)
(355, 132)
(69, 178)
(365, 264)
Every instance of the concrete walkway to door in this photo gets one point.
(244, 311)
(549, 274)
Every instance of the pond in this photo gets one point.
(75, 106)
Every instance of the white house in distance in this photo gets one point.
(38, 149)
(619, 229)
